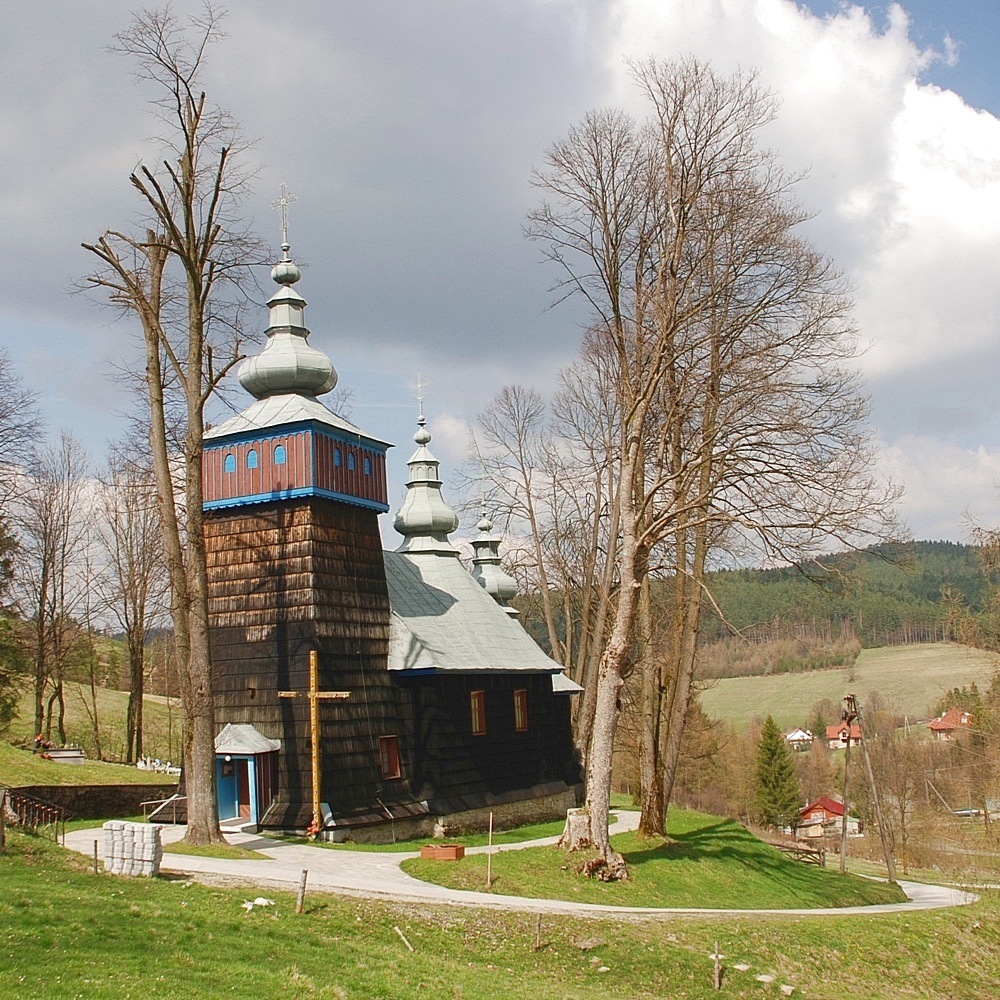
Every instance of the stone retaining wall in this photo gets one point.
(99, 801)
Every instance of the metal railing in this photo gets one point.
(36, 816)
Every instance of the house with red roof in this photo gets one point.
(837, 736)
(947, 726)
(823, 817)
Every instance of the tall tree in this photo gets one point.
(777, 786)
(728, 341)
(53, 518)
(173, 278)
(133, 587)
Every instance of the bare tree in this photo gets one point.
(53, 523)
(133, 587)
(728, 338)
(20, 426)
(172, 278)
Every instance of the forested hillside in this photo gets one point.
(884, 596)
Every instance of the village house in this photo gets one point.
(838, 736)
(824, 817)
(948, 725)
(799, 740)
(434, 708)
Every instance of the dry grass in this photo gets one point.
(910, 680)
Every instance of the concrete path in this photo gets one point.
(378, 875)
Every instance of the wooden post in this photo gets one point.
(489, 856)
(717, 970)
(315, 695)
(95, 857)
(538, 932)
(302, 891)
(890, 864)
(843, 819)
(3, 820)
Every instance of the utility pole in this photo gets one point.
(854, 710)
(315, 696)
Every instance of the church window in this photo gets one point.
(336, 457)
(252, 459)
(521, 710)
(368, 466)
(388, 756)
(230, 463)
(279, 455)
(350, 461)
(477, 704)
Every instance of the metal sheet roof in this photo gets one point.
(443, 620)
(242, 738)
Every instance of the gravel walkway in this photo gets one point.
(370, 874)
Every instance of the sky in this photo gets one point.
(407, 133)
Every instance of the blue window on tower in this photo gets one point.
(279, 455)
(230, 463)
(350, 461)
(336, 457)
(252, 459)
(368, 466)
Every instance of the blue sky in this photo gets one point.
(408, 133)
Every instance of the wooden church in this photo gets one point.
(434, 706)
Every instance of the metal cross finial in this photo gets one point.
(421, 385)
(281, 204)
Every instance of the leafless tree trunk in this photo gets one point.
(170, 278)
(728, 340)
(133, 588)
(53, 523)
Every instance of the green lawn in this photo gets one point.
(23, 767)
(910, 679)
(708, 862)
(69, 933)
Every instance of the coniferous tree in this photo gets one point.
(778, 797)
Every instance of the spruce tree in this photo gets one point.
(777, 786)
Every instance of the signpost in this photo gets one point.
(315, 696)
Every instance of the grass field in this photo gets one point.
(696, 867)
(910, 679)
(161, 722)
(22, 767)
(69, 933)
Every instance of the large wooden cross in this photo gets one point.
(315, 696)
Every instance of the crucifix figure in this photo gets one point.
(315, 696)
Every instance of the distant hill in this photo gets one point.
(885, 595)
(909, 679)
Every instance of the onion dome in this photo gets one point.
(424, 519)
(486, 568)
(288, 364)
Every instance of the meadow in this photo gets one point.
(65, 932)
(910, 680)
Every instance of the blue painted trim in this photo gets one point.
(302, 491)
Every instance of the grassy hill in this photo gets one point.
(910, 679)
(161, 722)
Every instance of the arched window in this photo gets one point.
(279, 455)
(368, 466)
(230, 463)
(350, 461)
(336, 457)
(252, 459)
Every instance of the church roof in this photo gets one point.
(443, 620)
(286, 408)
(242, 738)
